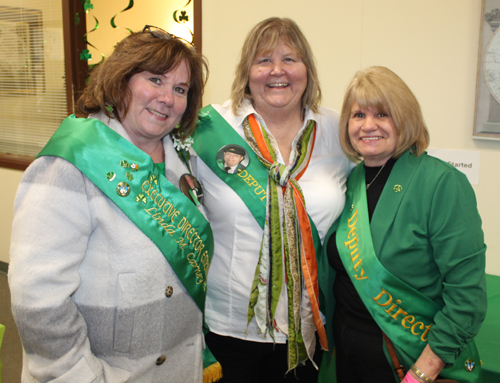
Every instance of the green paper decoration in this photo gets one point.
(96, 26)
(183, 16)
(85, 55)
(88, 5)
(130, 5)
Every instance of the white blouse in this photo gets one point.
(238, 235)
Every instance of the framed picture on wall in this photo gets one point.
(21, 51)
(487, 114)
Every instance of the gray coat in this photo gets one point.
(89, 289)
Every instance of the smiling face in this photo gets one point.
(232, 159)
(372, 134)
(156, 106)
(277, 80)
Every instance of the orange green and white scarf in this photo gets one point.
(291, 240)
(285, 283)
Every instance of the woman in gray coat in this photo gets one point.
(108, 257)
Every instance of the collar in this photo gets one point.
(247, 108)
(112, 123)
(116, 126)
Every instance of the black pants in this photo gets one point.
(360, 355)
(254, 362)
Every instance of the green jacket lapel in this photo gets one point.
(393, 194)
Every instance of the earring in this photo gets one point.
(110, 108)
(178, 125)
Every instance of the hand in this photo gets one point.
(429, 363)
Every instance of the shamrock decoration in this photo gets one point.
(153, 179)
(88, 5)
(183, 16)
(129, 176)
(85, 55)
(141, 198)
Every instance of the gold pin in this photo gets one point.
(469, 365)
(123, 189)
(397, 188)
(169, 291)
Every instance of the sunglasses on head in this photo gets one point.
(162, 34)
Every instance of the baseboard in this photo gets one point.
(4, 267)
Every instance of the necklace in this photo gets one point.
(373, 180)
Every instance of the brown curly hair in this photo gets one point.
(139, 52)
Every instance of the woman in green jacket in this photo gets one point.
(407, 256)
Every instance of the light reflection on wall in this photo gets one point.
(159, 13)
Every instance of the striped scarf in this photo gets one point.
(287, 258)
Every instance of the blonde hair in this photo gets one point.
(380, 88)
(264, 38)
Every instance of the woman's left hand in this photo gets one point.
(429, 363)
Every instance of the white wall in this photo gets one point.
(433, 45)
(152, 12)
(9, 181)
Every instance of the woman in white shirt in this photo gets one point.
(262, 303)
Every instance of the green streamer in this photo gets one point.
(183, 18)
(87, 42)
(130, 5)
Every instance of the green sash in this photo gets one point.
(251, 185)
(130, 179)
(214, 132)
(403, 313)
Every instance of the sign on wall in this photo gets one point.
(487, 115)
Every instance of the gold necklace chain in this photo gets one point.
(373, 180)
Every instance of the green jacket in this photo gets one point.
(428, 235)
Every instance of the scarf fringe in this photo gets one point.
(212, 373)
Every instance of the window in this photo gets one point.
(32, 77)
(41, 73)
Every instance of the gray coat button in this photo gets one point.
(160, 360)
(169, 291)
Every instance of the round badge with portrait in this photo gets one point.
(232, 159)
(191, 188)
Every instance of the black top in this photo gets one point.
(348, 304)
